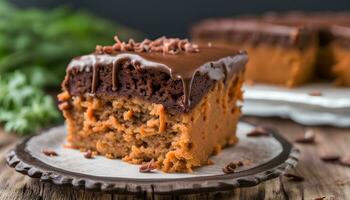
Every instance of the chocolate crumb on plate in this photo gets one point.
(315, 93)
(230, 168)
(89, 154)
(50, 153)
(308, 138)
(345, 160)
(148, 167)
(329, 157)
(259, 131)
(294, 177)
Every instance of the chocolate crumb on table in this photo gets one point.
(294, 177)
(329, 157)
(308, 137)
(49, 152)
(155, 99)
(148, 167)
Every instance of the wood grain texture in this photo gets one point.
(321, 179)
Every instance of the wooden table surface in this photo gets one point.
(328, 180)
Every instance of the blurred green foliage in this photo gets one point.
(35, 48)
(24, 106)
(45, 41)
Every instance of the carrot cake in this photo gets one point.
(154, 100)
(308, 55)
(341, 52)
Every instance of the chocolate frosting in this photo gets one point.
(212, 63)
(291, 29)
(252, 31)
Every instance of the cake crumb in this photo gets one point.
(127, 115)
(308, 138)
(89, 154)
(49, 153)
(68, 146)
(315, 93)
(210, 162)
(63, 106)
(148, 167)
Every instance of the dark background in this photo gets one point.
(173, 18)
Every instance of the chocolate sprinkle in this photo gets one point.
(163, 45)
(50, 153)
(148, 167)
(230, 168)
(293, 177)
(259, 131)
(308, 138)
(345, 160)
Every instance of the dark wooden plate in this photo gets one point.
(265, 158)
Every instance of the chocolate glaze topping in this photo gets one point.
(252, 31)
(197, 70)
(291, 29)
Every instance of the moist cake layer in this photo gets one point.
(139, 131)
(341, 53)
(157, 102)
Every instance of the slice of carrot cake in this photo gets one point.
(279, 53)
(166, 100)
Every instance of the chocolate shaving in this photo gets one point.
(259, 131)
(148, 167)
(308, 138)
(345, 160)
(89, 154)
(315, 93)
(329, 157)
(293, 177)
(162, 45)
(230, 168)
(50, 153)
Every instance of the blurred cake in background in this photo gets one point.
(287, 49)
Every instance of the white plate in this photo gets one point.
(331, 108)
